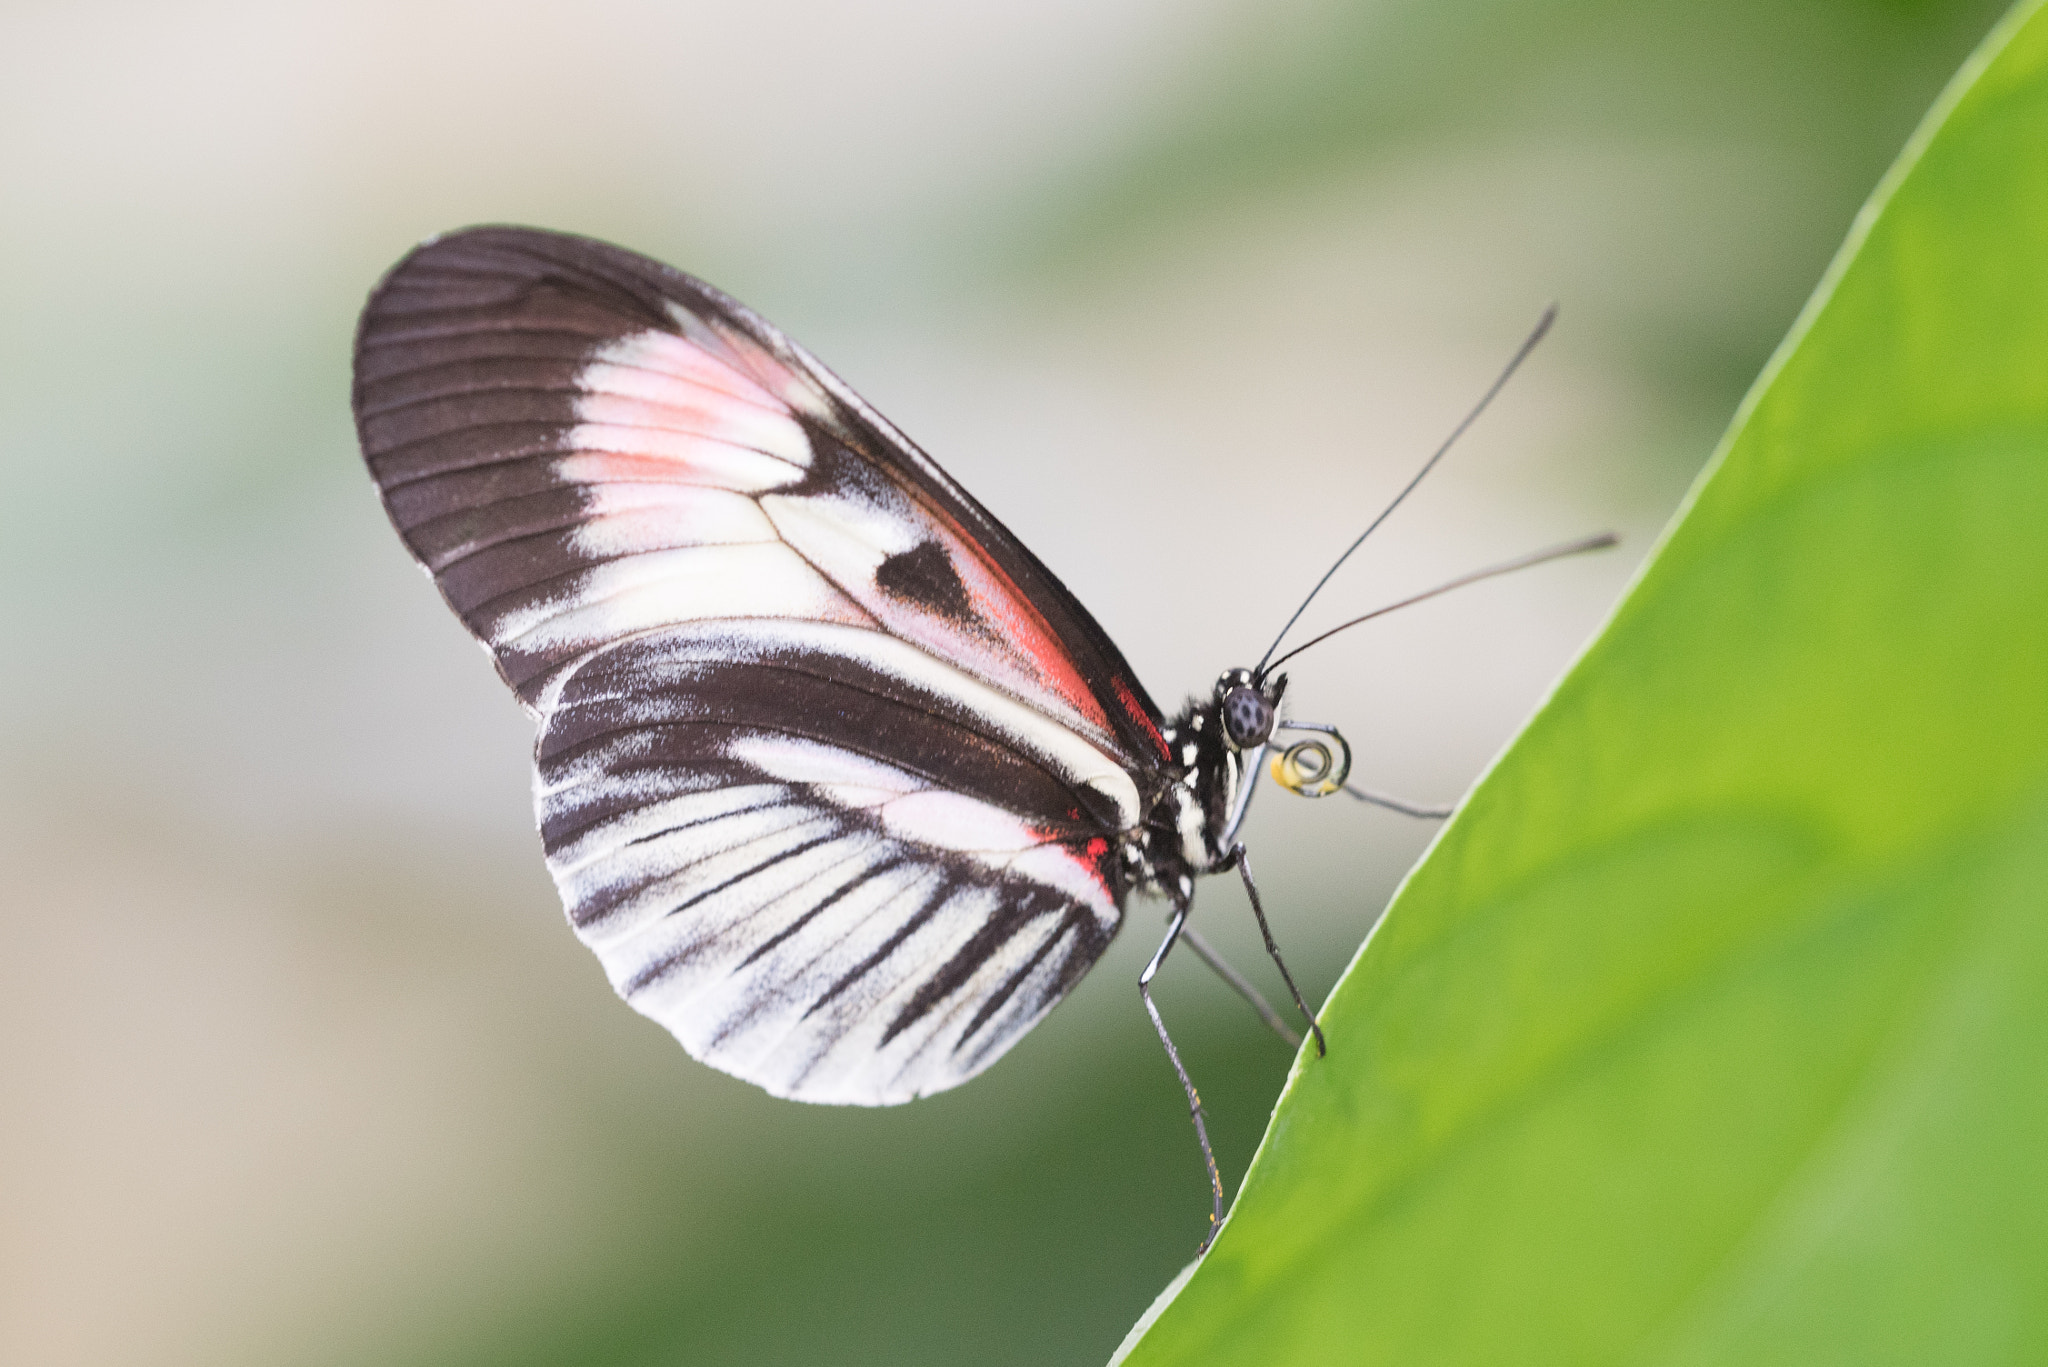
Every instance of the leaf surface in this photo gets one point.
(1715, 1026)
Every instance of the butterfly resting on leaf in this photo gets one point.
(839, 782)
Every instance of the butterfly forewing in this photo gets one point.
(830, 770)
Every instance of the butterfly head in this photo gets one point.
(1249, 707)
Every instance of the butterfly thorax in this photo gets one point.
(1187, 829)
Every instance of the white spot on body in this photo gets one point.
(1189, 822)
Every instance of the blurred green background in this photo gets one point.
(301, 1065)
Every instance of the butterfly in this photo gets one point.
(839, 782)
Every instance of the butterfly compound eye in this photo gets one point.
(1247, 717)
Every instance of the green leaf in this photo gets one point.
(1715, 1026)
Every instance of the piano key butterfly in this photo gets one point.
(839, 782)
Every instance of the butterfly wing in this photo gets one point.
(830, 769)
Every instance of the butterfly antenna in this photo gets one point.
(1521, 355)
(1520, 562)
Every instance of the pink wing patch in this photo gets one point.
(656, 407)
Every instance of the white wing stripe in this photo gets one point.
(655, 352)
(600, 447)
(624, 597)
(1054, 866)
(785, 996)
(633, 519)
(886, 1065)
(747, 429)
(636, 864)
(726, 1012)
(656, 818)
(718, 869)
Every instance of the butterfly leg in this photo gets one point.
(1427, 811)
(1240, 984)
(1173, 932)
(1242, 863)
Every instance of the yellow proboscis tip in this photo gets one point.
(1310, 769)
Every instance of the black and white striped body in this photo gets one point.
(1185, 828)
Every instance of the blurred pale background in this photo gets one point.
(300, 1064)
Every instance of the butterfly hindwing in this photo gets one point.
(814, 873)
(830, 770)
